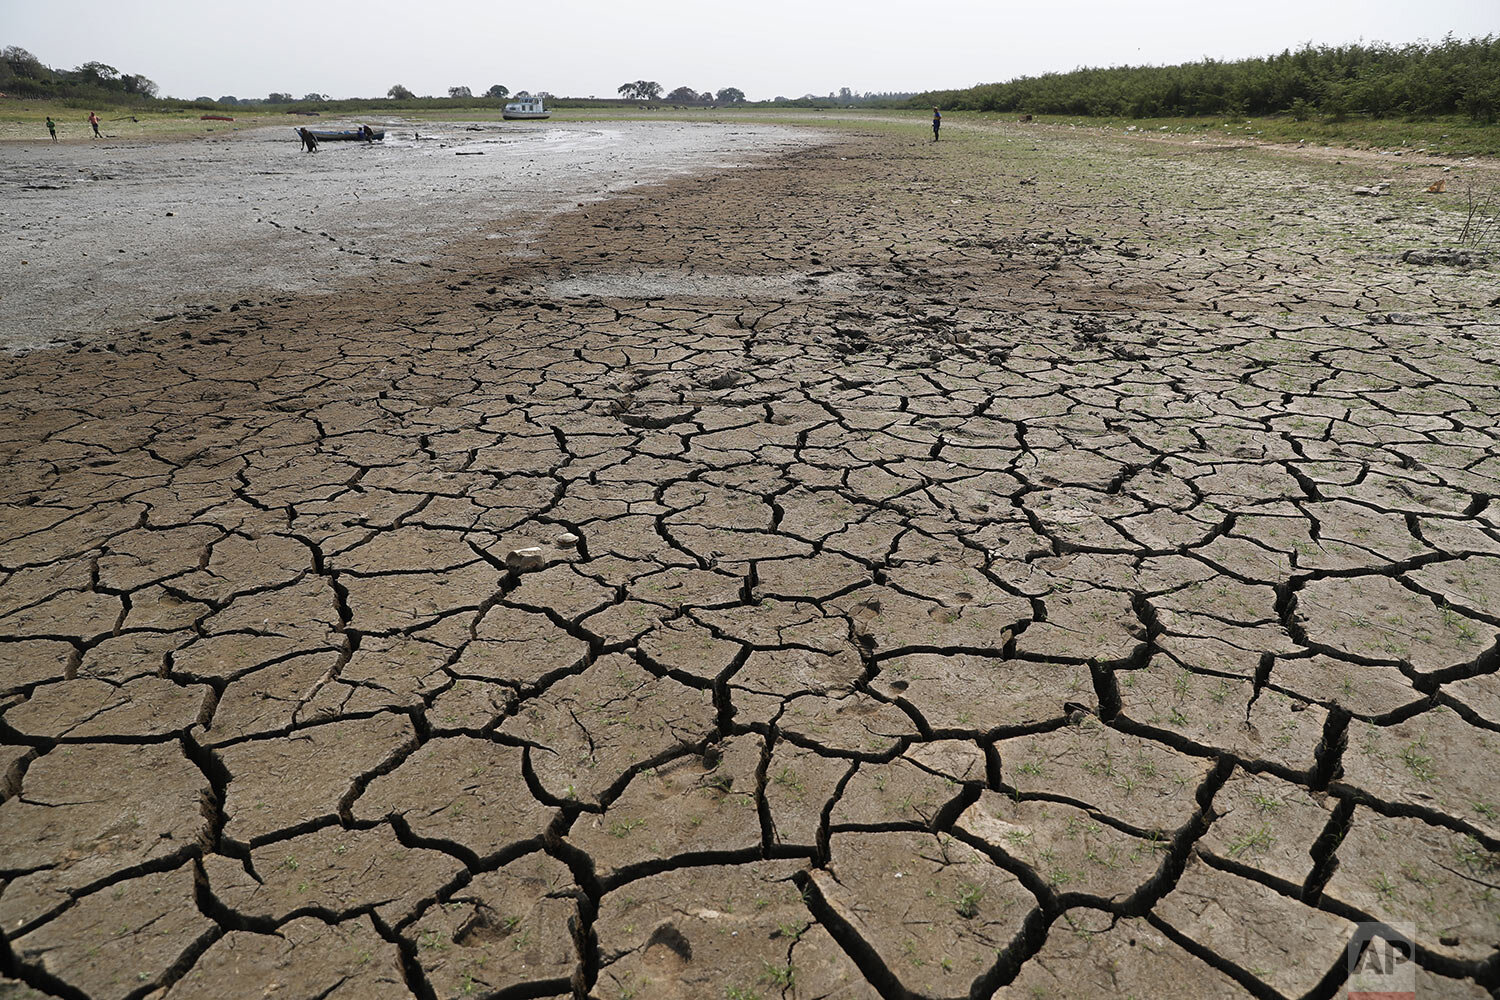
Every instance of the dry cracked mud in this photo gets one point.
(1034, 565)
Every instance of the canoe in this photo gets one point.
(215, 118)
(349, 135)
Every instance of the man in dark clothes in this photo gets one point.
(309, 141)
(937, 123)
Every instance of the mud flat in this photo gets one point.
(105, 235)
(1034, 565)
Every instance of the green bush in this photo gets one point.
(1424, 80)
(1482, 102)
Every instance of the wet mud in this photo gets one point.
(102, 236)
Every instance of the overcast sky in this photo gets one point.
(359, 48)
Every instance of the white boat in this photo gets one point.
(526, 108)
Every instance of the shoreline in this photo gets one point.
(127, 234)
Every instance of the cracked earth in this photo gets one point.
(1035, 565)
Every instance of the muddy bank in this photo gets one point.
(102, 236)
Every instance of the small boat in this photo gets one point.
(346, 135)
(525, 109)
(215, 118)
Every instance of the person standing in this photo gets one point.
(52, 128)
(309, 141)
(937, 123)
(94, 121)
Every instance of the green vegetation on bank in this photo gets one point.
(1419, 80)
(1441, 99)
(23, 75)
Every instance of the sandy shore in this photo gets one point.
(102, 236)
(1029, 565)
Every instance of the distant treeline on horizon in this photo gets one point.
(22, 74)
(1378, 80)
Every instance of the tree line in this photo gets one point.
(845, 97)
(498, 92)
(23, 75)
(650, 90)
(1382, 81)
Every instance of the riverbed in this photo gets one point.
(99, 237)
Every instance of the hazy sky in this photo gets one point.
(359, 48)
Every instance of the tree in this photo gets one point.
(706, 98)
(276, 97)
(460, 92)
(498, 91)
(730, 95)
(135, 83)
(98, 72)
(22, 63)
(315, 96)
(229, 99)
(399, 93)
(683, 95)
(641, 90)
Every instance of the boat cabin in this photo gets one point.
(526, 106)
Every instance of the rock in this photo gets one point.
(1454, 258)
(723, 380)
(524, 560)
(566, 540)
(1374, 190)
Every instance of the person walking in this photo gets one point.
(52, 128)
(94, 121)
(309, 141)
(937, 123)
